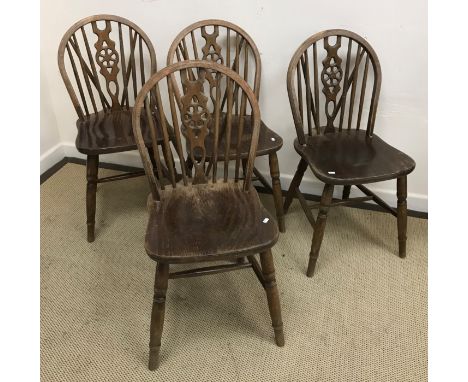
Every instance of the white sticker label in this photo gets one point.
(331, 172)
(265, 220)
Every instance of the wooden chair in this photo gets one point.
(110, 58)
(205, 217)
(328, 79)
(225, 43)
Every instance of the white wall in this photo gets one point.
(51, 145)
(396, 29)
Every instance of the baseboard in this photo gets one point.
(313, 187)
(51, 157)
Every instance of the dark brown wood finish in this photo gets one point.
(213, 214)
(227, 44)
(333, 82)
(104, 61)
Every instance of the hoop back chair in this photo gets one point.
(227, 44)
(214, 215)
(333, 82)
(108, 58)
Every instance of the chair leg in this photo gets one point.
(157, 314)
(92, 164)
(319, 227)
(346, 192)
(268, 271)
(276, 186)
(295, 183)
(402, 215)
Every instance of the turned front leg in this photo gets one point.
(157, 314)
(268, 272)
(402, 215)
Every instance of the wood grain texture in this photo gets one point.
(352, 157)
(111, 132)
(207, 222)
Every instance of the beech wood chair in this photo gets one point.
(329, 79)
(227, 44)
(110, 58)
(205, 217)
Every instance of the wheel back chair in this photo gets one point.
(212, 215)
(110, 58)
(327, 78)
(227, 44)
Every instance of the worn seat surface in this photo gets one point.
(350, 157)
(208, 222)
(103, 133)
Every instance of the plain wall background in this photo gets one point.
(396, 29)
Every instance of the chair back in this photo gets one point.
(110, 58)
(197, 113)
(327, 81)
(221, 42)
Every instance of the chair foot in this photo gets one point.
(90, 232)
(154, 362)
(402, 215)
(311, 266)
(402, 249)
(279, 336)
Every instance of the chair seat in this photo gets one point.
(103, 133)
(350, 157)
(268, 140)
(208, 222)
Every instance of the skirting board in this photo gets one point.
(51, 157)
(309, 185)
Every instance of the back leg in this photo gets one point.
(295, 183)
(276, 186)
(319, 227)
(346, 191)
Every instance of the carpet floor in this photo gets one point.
(362, 317)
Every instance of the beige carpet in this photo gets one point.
(362, 317)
